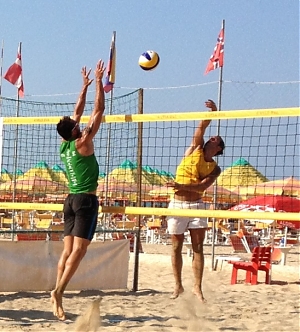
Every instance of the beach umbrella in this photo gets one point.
(34, 185)
(154, 176)
(268, 203)
(288, 187)
(162, 191)
(127, 172)
(102, 175)
(240, 173)
(41, 170)
(115, 189)
(223, 195)
(58, 174)
(19, 172)
(5, 175)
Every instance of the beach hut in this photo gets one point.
(240, 174)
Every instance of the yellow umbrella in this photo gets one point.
(240, 173)
(33, 185)
(127, 172)
(5, 175)
(58, 174)
(41, 170)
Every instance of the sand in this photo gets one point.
(238, 307)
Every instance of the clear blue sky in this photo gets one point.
(59, 37)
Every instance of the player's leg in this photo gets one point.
(67, 250)
(176, 228)
(197, 238)
(86, 209)
(176, 258)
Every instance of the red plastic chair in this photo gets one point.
(260, 261)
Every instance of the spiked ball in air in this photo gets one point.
(149, 60)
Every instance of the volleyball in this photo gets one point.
(149, 60)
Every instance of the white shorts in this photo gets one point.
(179, 225)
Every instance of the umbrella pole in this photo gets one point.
(285, 235)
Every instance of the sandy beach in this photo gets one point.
(239, 307)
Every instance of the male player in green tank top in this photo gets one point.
(81, 205)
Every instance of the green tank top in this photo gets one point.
(82, 172)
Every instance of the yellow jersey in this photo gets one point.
(193, 168)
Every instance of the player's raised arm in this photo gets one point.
(99, 106)
(198, 139)
(79, 107)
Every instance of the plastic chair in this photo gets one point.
(260, 261)
(276, 256)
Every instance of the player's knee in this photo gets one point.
(79, 251)
(198, 248)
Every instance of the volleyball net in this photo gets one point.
(138, 153)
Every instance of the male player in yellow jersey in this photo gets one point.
(81, 205)
(195, 173)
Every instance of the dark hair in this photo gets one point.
(65, 127)
(222, 146)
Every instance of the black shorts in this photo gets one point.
(80, 215)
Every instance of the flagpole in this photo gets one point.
(218, 134)
(1, 74)
(1, 120)
(16, 154)
(109, 140)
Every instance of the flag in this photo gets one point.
(216, 60)
(14, 74)
(111, 66)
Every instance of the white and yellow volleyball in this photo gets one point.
(149, 60)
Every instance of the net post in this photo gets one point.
(139, 194)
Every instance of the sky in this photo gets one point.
(59, 37)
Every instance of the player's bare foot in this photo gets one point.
(56, 300)
(199, 294)
(177, 292)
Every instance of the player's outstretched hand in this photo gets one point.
(211, 104)
(85, 75)
(100, 69)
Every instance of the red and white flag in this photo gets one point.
(14, 74)
(217, 58)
